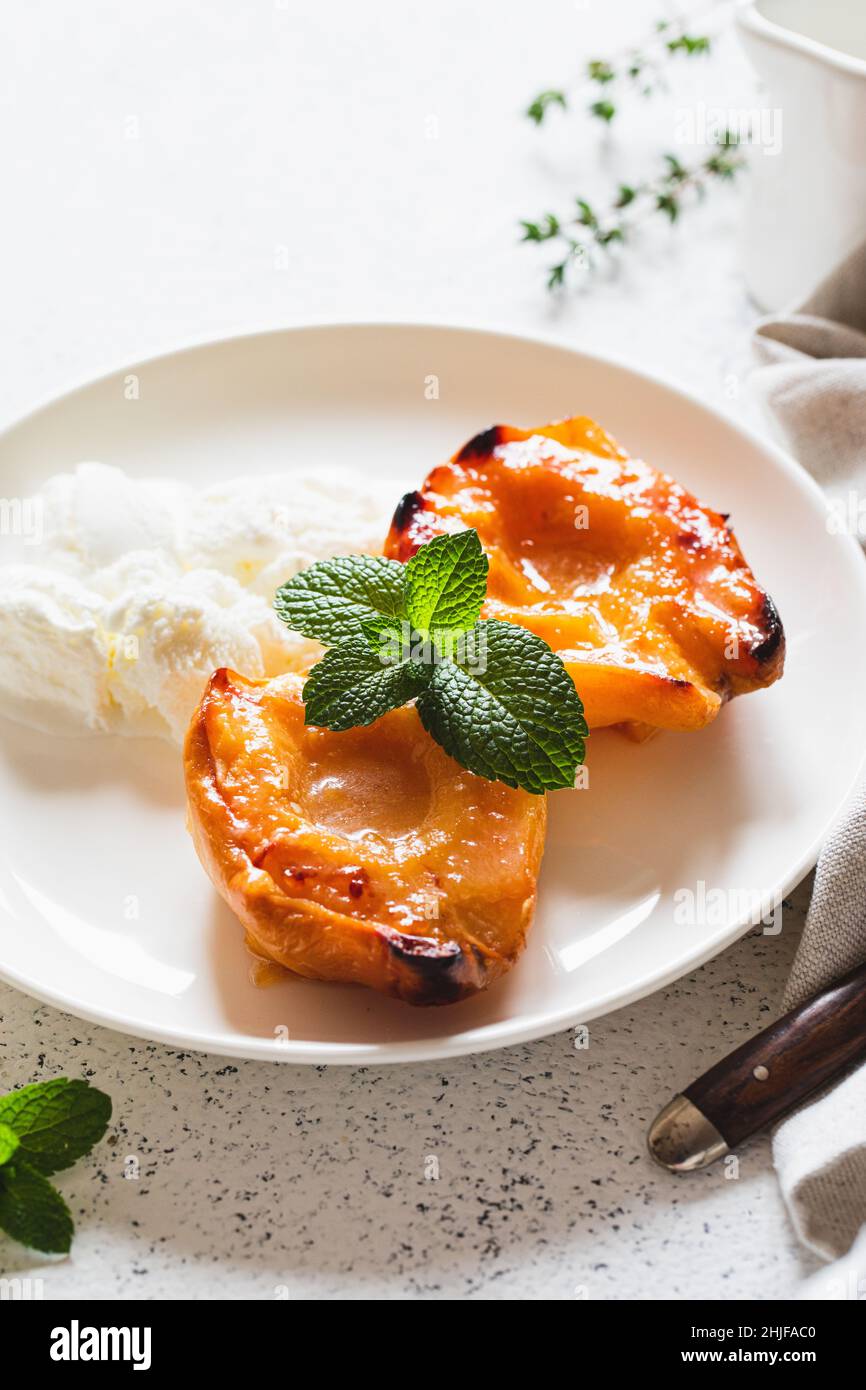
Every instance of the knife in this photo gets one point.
(764, 1078)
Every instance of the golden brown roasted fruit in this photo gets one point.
(642, 590)
(368, 856)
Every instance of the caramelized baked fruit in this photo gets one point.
(641, 589)
(367, 856)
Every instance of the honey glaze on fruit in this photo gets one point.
(641, 589)
(263, 972)
(368, 855)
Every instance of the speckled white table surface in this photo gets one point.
(182, 173)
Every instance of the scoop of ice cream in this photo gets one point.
(97, 514)
(52, 650)
(145, 587)
(169, 631)
(263, 530)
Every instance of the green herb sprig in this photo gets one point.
(44, 1128)
(492, 694)
(639, 69)
(586, 235)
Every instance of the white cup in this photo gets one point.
(806, 208)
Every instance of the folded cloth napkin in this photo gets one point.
(843, 1279)
(812, 380)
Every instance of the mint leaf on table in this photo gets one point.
(335, 600)
(43, 1128)
(352, 685)
(9, 1142)
(446, 583)
(32, 1211)
(512, 716)
(56, 1122)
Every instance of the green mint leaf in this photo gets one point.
(511, 714)
(446, 583)
(56, 1122)
(337, 599)
(32, 1211)
(9, 1142)
(354, 684)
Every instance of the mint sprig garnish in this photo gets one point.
(352, 686)
(518, 720)
(446, 583)
(495, 696)
(334, 600)
(44, 1128)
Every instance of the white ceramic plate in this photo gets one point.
(739, 808)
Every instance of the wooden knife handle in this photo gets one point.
(773, 1072)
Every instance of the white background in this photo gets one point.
(179, 172)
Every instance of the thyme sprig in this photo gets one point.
(584, 237)
(639, 69)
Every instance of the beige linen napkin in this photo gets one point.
(812, 381)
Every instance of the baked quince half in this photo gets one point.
(368, 856)
(641, 589)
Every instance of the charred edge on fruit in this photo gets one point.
(359, 880)
(481, 445)
(441, 972)
(406, 511)
(690, 540)
(226, 684)
(772, 643)
(676, 681)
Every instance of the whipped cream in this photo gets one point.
(139, 588)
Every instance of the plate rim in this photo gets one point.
(446, 1046)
